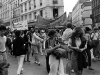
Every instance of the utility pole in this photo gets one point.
(93, 24)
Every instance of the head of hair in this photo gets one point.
(51, 33)
(25, 31)
(69, 25)
(87, 29)
(17, 33)
(78, 32)
(2, 27)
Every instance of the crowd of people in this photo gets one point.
(77, 44)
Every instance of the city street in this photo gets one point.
(33, 69)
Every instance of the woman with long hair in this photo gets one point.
(19, 51)
(54, 61)
(78, 44)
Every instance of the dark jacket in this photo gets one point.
(81, 56)
(18, 44)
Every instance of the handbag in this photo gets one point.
(94, 43)
(59, 53)
(90, 43)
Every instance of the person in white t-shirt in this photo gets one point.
(67, 33)
(3, 43)
(35, 45)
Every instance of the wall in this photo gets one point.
(86, 12)
(76, 15)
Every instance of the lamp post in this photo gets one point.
(91, 16)
(83, 19)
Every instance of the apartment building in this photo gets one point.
(76, 13)
(96, 12)
(86, 12)
(8, 11)
(16, 11)
(46, 8)
(70, 17)
(21, 10)
(5, 10)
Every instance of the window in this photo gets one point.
(55, 13)
(55, 1)
(99, 10)
(34, 4)
(18, 2)
(30, 16)
(22, 18)
(35, 15)
(21, 8)
(41, 12)
(29, 5)
(25, 7)
(25, 17)
(40, 2)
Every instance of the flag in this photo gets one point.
(42, 21)
(61, 21)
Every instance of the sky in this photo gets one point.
(68, 5)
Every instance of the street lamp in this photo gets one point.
(91, 16)
(83, 19)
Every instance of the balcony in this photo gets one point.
(55, 2)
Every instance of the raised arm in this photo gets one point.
(37, 37)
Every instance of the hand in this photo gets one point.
(58, 45)
(50, 47)
(76, 48)
(82, 50)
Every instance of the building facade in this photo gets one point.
(76, 13)
(96, 12)
(46, 8)
(20, 10)
(70, 17)
(86, 12)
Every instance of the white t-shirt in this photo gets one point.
(2, 43)
(95, 36)
(36, 38)
(66, 34)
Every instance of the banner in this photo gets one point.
(48, 23)
(61, 21)
(22, 25)
(42, 21)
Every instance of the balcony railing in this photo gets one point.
(55, 2)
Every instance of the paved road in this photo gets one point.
(33, 69)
